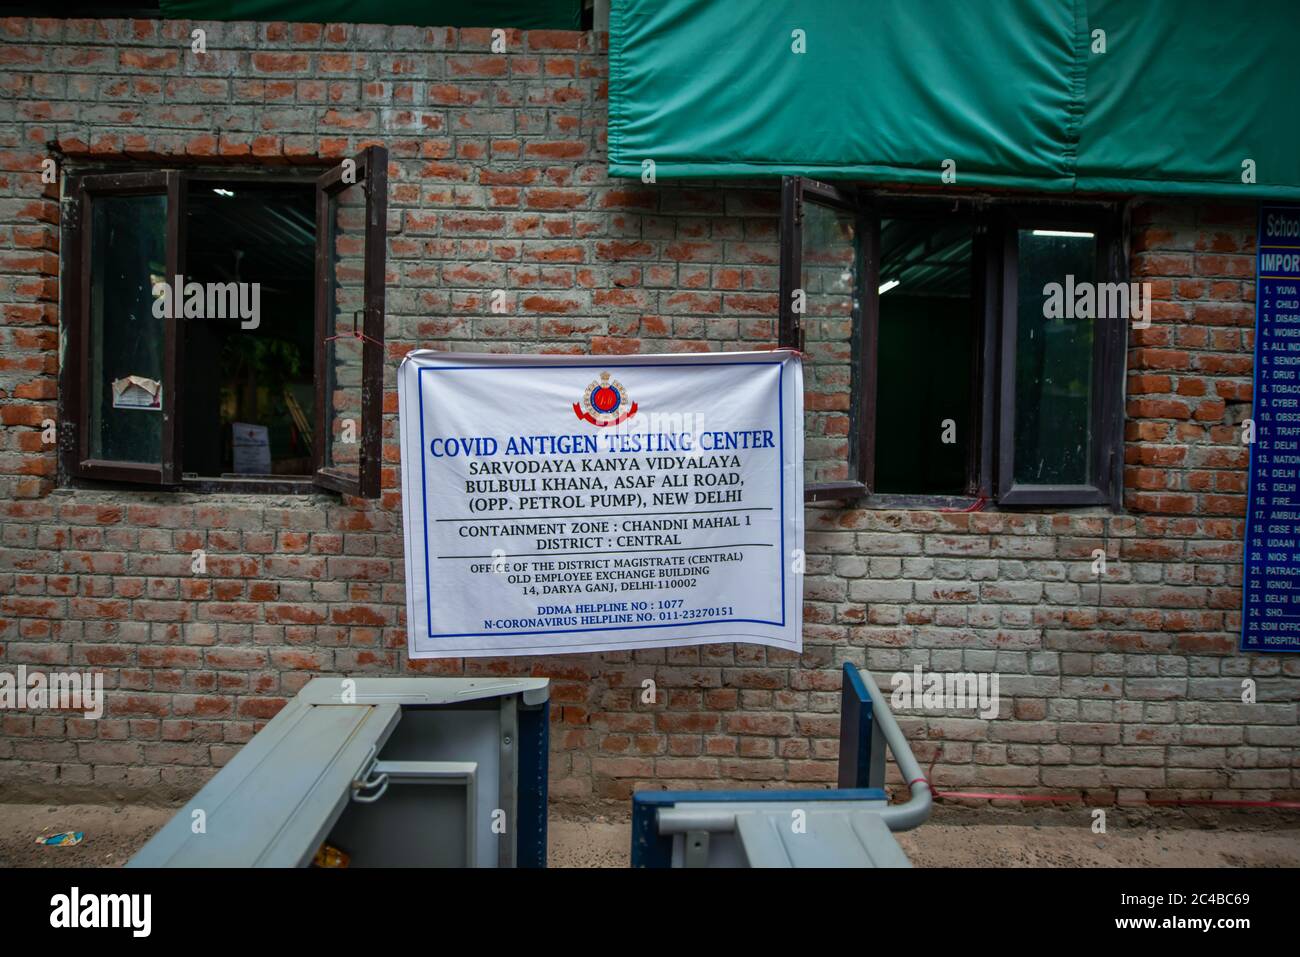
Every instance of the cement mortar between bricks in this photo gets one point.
(1126, 685)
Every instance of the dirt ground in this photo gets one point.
(113, 834)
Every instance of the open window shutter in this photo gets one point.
(123, 236)
(351, 213)
(828, 280)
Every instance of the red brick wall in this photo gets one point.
(1127, 686)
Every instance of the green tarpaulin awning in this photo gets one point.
(516, 14)
(1018, 93)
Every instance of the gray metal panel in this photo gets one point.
(427, 770)
(760, 837)
(835, 839)
(424, 818)
(695, 852)
(421, 690)
(273, 804)
(763, 834)
(879, 841)
(460, 734)
(721, 849)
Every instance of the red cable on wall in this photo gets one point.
(1171, 802)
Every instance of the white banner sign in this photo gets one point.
(566, 503)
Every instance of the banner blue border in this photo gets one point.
(424, 485)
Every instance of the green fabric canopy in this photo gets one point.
(517, 14)
(1010, 90)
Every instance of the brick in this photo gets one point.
(497, 181)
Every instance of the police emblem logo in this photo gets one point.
(605, 402)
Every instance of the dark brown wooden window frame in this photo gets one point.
(1109, 342)
(795, 191)
(82, 189)
(74, 387)
(991, 462)
(371, 173)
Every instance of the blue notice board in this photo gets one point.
(1270, 611)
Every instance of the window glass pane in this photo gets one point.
(1054, 357)
(346, 305)
(126, 340)
(249, 394)
(830, 283)
(925, 422)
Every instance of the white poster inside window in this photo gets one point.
(558, 504)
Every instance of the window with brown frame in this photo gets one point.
(938, 370)
(224, 330)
